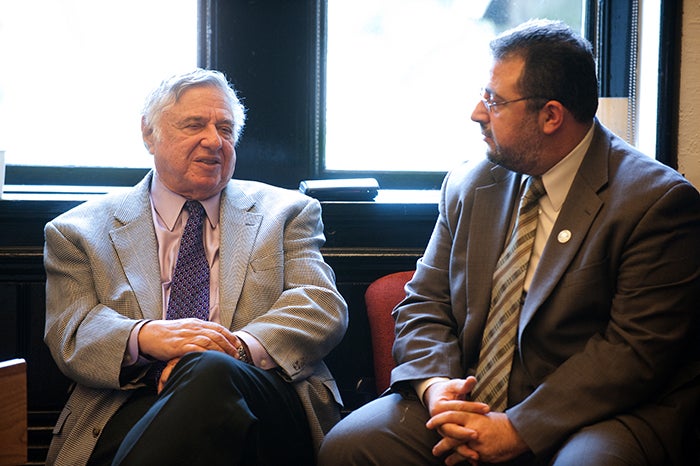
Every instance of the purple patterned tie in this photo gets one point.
(189, 288)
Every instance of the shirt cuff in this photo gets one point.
(420, 386)
(132, 355)
(261, 358)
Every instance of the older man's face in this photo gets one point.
(194, 154)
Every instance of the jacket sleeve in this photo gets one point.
(86, 334)
(289, 294)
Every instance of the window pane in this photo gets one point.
(403, 78)
(648, 76)
(74, 75)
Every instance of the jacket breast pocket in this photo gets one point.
(272, 261)
(587, 273)
(263, 284)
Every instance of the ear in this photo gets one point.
(552, 116)
(147, 135)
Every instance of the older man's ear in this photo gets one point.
(147, 135)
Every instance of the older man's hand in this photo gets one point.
(169, 339)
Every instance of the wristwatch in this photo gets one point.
(243, 354)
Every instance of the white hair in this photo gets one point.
(170, 90)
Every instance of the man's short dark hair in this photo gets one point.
(559, 65)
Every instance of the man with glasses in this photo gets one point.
(553, 317)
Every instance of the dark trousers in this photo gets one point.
(214, 410)
(391, 431)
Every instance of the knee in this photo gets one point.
(340, 447)
(354, 440)
(208, 368)
(208, 361)
(389, 430)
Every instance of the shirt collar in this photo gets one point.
(558, 179)
(168, 204)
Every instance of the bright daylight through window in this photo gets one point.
(401, 81)
(74, 75)
(403, 77)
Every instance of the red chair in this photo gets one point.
(381, 297)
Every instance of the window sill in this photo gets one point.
(398, 223)
(84, 193)
(55, 192)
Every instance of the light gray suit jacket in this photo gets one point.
(610, 324)
(103, 276)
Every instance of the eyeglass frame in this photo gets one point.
(491, 104)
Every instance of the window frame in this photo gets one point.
(668, 103)
(279, 71)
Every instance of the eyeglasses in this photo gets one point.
(489, 103)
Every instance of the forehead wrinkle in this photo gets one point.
(203, 119)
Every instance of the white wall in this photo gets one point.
(689, 112)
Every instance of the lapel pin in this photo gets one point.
(564, 236)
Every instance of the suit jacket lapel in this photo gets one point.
(577, 214)
(239, 228)
(491, 216)
(135, 244)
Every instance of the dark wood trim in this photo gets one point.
(669, 82)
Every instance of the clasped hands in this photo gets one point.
(169, 340)
(470, 430)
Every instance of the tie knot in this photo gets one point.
(534, 190)
(195, 208)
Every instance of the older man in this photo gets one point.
(193, 312)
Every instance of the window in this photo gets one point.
(320, 79)
(628, 104)
(403, 77)
(74, 75)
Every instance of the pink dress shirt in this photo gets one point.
(169, 219)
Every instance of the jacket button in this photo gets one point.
(96, 432)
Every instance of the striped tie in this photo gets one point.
(498, 341)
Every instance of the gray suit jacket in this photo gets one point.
(103, 276)
(610, 324)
